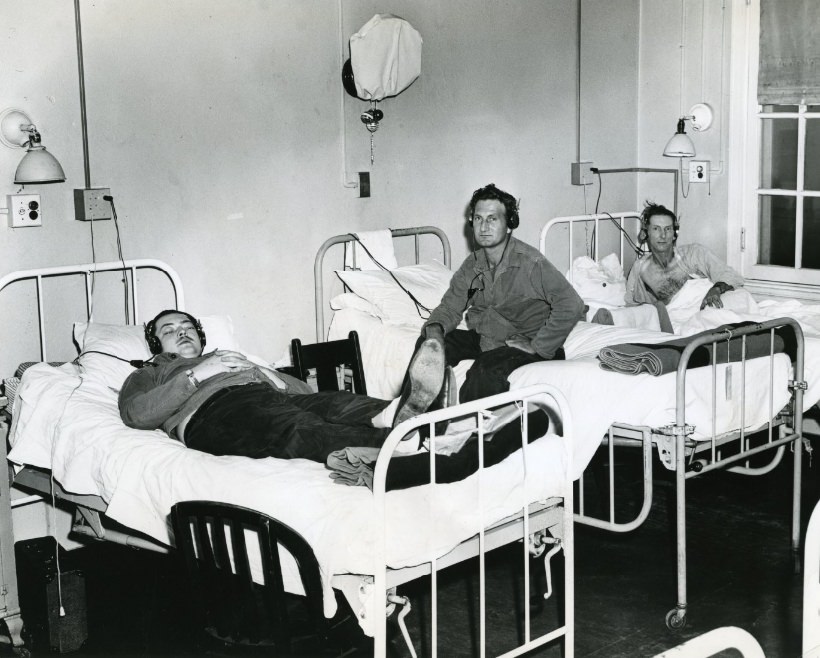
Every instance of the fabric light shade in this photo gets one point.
(680, 146)
(385, 55)
(38, 166)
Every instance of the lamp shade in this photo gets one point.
(38, 166)
(680, 146)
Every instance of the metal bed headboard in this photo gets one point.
(318, 267)
(89, 270)
(572, 220)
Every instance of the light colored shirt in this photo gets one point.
(689, 261)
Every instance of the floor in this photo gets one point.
(741, 574)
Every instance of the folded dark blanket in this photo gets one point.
(662, 358)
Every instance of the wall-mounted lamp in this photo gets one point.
(37, 165)
(680, 146)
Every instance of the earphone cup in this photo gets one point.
(512, 221)
(154, 345)
(200, 332)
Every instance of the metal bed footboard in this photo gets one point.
(543, 526)
(416, 232)
(690, 457)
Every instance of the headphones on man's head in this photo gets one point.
(153, 341)
(651, 210)
(492, 193)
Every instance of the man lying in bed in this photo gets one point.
(519, 310)
(223, 404)
(664, 270)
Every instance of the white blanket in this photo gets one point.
(73, 427)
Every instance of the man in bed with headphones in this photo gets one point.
(519, 310)
(666, 267)
(221, 403)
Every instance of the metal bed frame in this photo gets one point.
(416, 232)
(690, 458)
(811, 587)
(545, 526)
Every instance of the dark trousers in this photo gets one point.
(413, 470)
(488, 375)
(256, 420)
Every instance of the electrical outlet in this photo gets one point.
(699, 171)
(582, 173)
(24, 210)
(89, 204)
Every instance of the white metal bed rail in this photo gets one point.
(718, 639)
(617, 218)
(538, 397)
(89, 271)
(811, 588)
(690, 458)
(318, 267)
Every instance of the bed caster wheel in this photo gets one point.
(675, 619)
(21, 652)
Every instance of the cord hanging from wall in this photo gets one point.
(385, 59)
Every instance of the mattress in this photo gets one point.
(72, 426)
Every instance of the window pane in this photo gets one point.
(811, 175)
(778, 154)
(811, 233)
(776, 230)
(813, 108)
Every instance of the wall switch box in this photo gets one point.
(582, 173)
(24, 210)
(364, 184)
(699, 171)
(89, 204)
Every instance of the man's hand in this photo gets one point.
(221, 361)
(712, 297)
(520, 343)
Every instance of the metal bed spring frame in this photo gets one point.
(318, 268)
(539, 525)
(690, 458)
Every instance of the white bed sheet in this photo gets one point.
(73, 428)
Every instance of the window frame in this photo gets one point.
(746, 118)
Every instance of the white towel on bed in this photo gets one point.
(379, 244)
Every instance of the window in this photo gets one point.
(775, 195)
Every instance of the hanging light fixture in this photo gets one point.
(680, 145)
(37, 165)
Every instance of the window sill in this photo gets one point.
(760, 289)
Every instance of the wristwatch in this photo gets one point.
(192, 378)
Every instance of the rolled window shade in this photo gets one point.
(789, 72)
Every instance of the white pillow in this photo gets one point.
(599, 284)
(427, 282)
(352, 301)
(128, 343)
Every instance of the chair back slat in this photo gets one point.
(326, 358)
(212, 540)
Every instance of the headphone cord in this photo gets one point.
(137, 363)
(419, 306)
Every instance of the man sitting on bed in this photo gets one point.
(519, 310)
(223, 404)
(666, 267)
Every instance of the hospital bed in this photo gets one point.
(698, 420)
(68, 443)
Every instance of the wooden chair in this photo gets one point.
(326, 358)
(212, 542)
